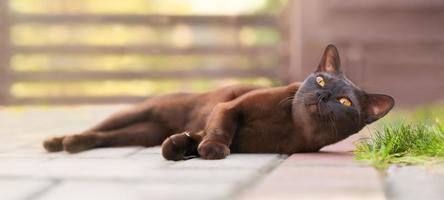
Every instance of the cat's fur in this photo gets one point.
(300, 117)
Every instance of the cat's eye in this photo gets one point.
(320, 81)
(345, 101)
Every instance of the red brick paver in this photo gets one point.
(329, 174)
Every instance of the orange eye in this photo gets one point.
(345, 101)
(320, 81)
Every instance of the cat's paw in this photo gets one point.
(53, 144)
(81, 142)
(212, 150)
(175, 146)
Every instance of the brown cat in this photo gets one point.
(300, 117)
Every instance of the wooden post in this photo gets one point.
(5, 54)
(295, 72)
(309, 35)
(305, 46)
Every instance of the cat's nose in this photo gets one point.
(323, 95)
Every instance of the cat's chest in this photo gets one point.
(320, 138)
(274, 125)
(271, 134)
(267, 118)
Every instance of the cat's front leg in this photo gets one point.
(219, 131)
(213, 150)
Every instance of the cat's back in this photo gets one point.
(189, 111)
(204, 103)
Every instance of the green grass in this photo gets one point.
(406, 138)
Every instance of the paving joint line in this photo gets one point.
(133, 153)
(35, 195)
(262, 173)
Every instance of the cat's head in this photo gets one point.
(328, 102)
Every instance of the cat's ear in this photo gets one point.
(330, 61)
(377, 106)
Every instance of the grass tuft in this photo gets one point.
(403, 143)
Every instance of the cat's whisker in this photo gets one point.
(332, 117)
(318, 108)
(301, 94)
(290, 96)
(333, 123)
(328, 119)
(286, 100)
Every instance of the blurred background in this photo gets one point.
(98, 51)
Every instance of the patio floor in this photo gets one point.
(28, 172)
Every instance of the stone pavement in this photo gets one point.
(28, 172)
(329, 174)
(414, 182)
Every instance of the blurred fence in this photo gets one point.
(32, 61)
(49, 57)
(393, 47)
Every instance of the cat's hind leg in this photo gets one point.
(117, 121)
(54, 144)
(139, 134)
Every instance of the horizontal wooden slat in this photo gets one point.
(77, 100)
(408, 95)
(368, 27)
(405, 75)
(258, 20)
(85, 75)
(384, 5)
(419, 53)
(159, 50)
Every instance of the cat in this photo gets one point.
(300, 117)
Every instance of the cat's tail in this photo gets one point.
(181, 146)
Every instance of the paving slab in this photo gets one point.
(22, 188)
(19, 167)
(414, 182)
(152, 150)
(136, 190)
(120, 152)
(329, 174)
(245, 161)
(28, 172)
